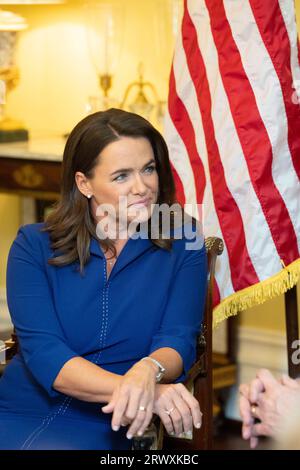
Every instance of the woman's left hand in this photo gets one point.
(177, 408)
(133, 399)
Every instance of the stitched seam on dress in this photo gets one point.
(106, 316)
(103, 317)
(36, 430)
(64, 406)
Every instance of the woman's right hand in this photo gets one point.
(177, 408)
(132, 400)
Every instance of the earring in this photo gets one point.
(89, 196)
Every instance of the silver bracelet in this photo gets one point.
(161, 369)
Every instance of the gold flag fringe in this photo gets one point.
(258, 293)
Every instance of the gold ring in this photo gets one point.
(253, 410)
(169, 411)
(142, 408)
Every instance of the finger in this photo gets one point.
(133, 403)
(167, 423)
(268, 379)
(147, 419)
(255, 412)
(253, 442)
(177, 421)
(260, 429)
(289, 382)
(119, 411)
(137, 415)
(193, 405)
(147, 416)
(245, 411)
(138, 421)
(125, 422)
(256, 387)
(246, 431)
(244, 390)
(185, 411)
(165, 418)
(109, 408)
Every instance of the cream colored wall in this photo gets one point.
(9, 217)
(297, 5)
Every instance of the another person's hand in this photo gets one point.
(133, 400)
(270, 401)
(248, 402)
(177, 408)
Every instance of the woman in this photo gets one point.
(106, 324)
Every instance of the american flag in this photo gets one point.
(233, 132)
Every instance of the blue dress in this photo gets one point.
(153, 298)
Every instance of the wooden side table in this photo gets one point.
(32, 168)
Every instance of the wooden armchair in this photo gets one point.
(199, 380)
(11, 346)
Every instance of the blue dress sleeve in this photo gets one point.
(183, 315)
(31, 307)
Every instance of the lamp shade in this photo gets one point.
(29, 2)
(11, 21)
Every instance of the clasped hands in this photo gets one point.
(137, 397)
(265, 405)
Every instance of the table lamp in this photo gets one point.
(10, 23)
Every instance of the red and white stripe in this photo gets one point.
(233, 132)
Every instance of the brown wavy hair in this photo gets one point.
(71, 224)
